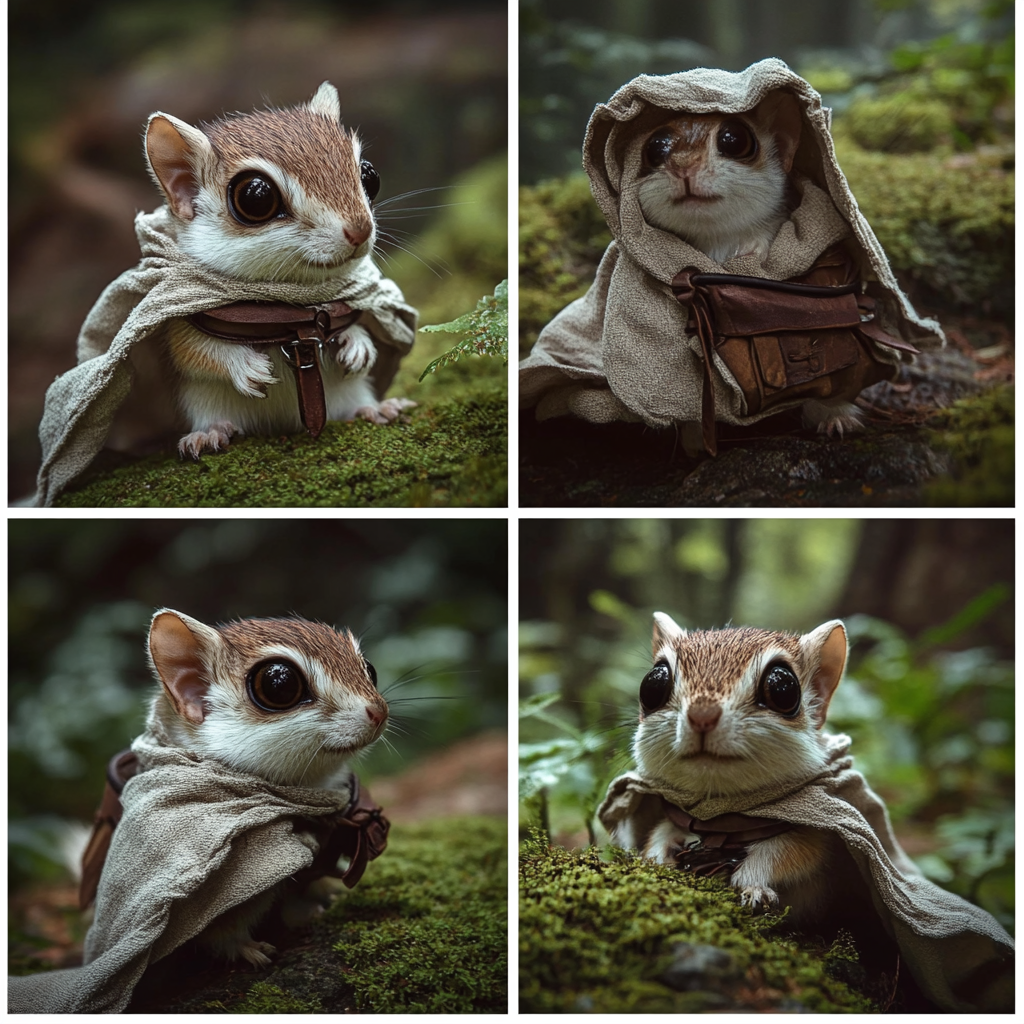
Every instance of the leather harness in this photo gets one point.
(360, 832)
(722, 840)
(809, 337)
(300, 331)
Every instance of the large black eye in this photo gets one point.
(277, 686)
(372, 671)
(780, 690)
(656, 688)
(370, 178)
(254, 198)
(658, 147)
(736, 141)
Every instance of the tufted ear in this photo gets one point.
(665, 631)
(175, 152)
(326, 103)
(181, 651)
(824, 651)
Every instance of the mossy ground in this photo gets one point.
(453, 451)
(595, 935)
(424, 931)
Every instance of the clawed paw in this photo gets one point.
(758, 897)
(214, 438)
(356, 350)
(384, 412)
(257, 953)
(253, 373)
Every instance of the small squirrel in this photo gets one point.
(275, 195)
(287, 700)
(721, 183)
(720, 711)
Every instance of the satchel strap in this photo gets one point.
(300, 331)
(723, 840)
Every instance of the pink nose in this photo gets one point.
(358, 234)
(704, 715)
(375, 716)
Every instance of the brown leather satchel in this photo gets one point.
(359, 833)
(301, 332)
(785, 341)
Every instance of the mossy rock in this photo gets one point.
(599, 935)
(899, 124)
(424, 931)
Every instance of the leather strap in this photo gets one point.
(731, 305)
(299, 330)
(722, 840)
(359, 833)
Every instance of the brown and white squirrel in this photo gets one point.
(275, 195)
(287, 700)
(721, 182)
(721, 711)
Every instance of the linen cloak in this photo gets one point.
(196, 839)
(82, 403)
(960, 956)
(621, 352)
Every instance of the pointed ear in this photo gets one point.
(824, 652)
(180, 651)
(779, 113)
(326, 103)
(665, 631)
(175, 151)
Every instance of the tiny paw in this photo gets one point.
(253, 374)
(839, 418)
(384, 412)
(356, 350)
(758, 897)
(257, 953)
(214, 438)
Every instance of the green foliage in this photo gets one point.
(486, 328)
(979, 433)
(595, 935)
(266, 998)
(899, 124)
(426, 930)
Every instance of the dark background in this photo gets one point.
(424, 82)
(427, 599)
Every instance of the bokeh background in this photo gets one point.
(424, 82)
(928, 696)
(428, 600)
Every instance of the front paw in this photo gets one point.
(829, 418)
(252, 372)
(758, 897)
(356, 350)
(385, 412)
(214, 438)
(256, 953)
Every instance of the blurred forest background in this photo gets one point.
(428, 601)
(928, 696)
(424, 82)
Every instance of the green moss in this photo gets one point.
(947, 223)
(979, 434)
(562, 236)
(265, 998)
(595, 935)
(451, 452)
(902, 123)
(426, 931)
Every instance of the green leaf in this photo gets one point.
(485, 329)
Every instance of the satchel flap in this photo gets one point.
(771, 360)
(807, 358)
(741, 310)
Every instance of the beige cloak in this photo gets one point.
(960, 956)
(621, 352)
(196, 839)
(81, 404)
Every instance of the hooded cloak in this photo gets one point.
(960, 956)
(81, 404)
(622, 352)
